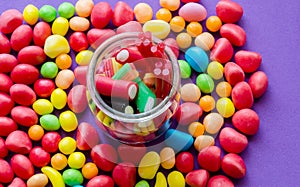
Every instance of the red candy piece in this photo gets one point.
(10, 20)
(3, 148)
(18, 142)
(6, 172)
(6, 104)
(233, 73)
(24, 116)
(219, 180)
(187, 113)
(22, 166)
(104, 156)
(124, 174)
(249, 61)
(80, 74)
(78, 41)
(87, 136)
(189, 1)
(7, 125)
(229, 11)
(258, 83)
(24, 74)
(4, 44)
(234, 33)
(21, 37)
(22, 94)
(197, 178)
(39, 157)
(185, 162)
(41, 32)
(172, 44)
(132, 154)
(232, 141)
(128, 55)
(122, 14)
(242, 96)
(222, 51)
(7, 63)
(33, 55)
(5, 83)
(209, 158)
(131, 26)
(44, 87)
(50, 142)
(101, 15)
(77, 100)
(101, 181)
(233, 165)
(17, 182)
(246, 121)
(97, 36)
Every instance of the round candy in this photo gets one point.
(7, 62)
(66, 10)
(60, 26)
(164, 14)
(50, 141)
(89, 170)
(190, 92)
(223, 89)
(41, 32)
(184, 40)
(76, 160)
(225, 107)
(47, 13)
(142, 183)
(72, 177)
(177, 24)
(185, 69)
(42, 106)
(207, 103)
(197, 58)
(101, 14)
(158, 28)
(67, 145)
(63, 61)
(31, 14)
(84, 8)
(43, 87)
(203, 141)
(229, 11)
(215, 70)
(209, 158)
(258, 82)
(233, 165)
(58, 98)
(170, 4)
(49, 122)
(196, 129)
(64, 78)
(143, 12)
(213, 23)
(205, 83)
(78, 41)
(167, 158)
(193, 12)
(49, 70)
(246, 121)
(185, 162)
(10, 20)
(68, 121)
(194, 29)
(213, 122)
(79, 23)
(219, 180)
(59, 161)
(205, 41)
(84, 57)
(36, 132)
(176, 179)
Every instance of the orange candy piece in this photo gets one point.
(36, 132)
(63, 61)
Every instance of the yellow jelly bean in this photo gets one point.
(31, 14)
(225, 107)
(143, 12)
(76, 160)
(63, 61)
(170, 4)
(149, 165)
(196, 129)
(184, 40)
(161, 180)
(54, 176)
(158, 28)
(89, 170)
(177, 24)
(164, 14)
(176, 179)
(213, 122)
(42, 106)
(59, 161)
(60, 26)
(205, 41)
(84, 57)
(215, 70)
(167, 157)
(194, 29)
(64, 79)
(37, 180)
(207, 103)
(79, 24)
(67, 145)
(58, 98)
(84, 8)
(68, 121)
(203, 141)
(56, 45)
(213, 23)
(223, 89)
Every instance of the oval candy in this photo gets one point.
(193, 12)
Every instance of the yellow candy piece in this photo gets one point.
(170, 4)
(58, 98)
(56, 45)
(213, 23)
(149, 165)
(60, 26)
(79, 24)
(167, 157)
(176, 179)
(177, 24)
(205, 41)
(84, 57)
(223, 89)
(68, 121)
(184, 40)
(213, 122)
(194, 29)
(158, 28)
(31, 14)
(196, 129)
(54, 176)
(59, 161)
(215, 70)
(164, 14)
(76, 160)
(161, 180)
(143, 12)
(207, 103)
(225, 107)
(203, 141)
(67, 145)
(42, 106)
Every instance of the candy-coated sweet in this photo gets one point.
(104, 156)
(84, 8)
(56, 45)
(101, 181)
(7, 125)
(7, 63)
(59, 161)
(232, 141)
(47, 13)
(163, 14)
(203, 141)
(132, 154)
(6, 83)
(79, 24)
(6, 172)
(215, 70)
(39, 157)
(197, 58)
(184, 40)
(222, 51)
(6, 104)
(197, 178)
(60, 26)
(160, 180)
(234, 33)
(22, 94)
(89, 170)
(78, 41)
(36, 132)
(101, 15)
(233, 165)
(196, 129)
(18, 142)
(66, 10)
(10, 20)
(246, 121)
(149, 165)
(205, 83)
(41, 32)
(63, 61)
(178, 140)
(209, 158)
(21, 166)
(213, 23)
(143, 12)
(17, 182)
(225, 107)
(213, 122)
(187, 113)
(77, 100)
(76, 160)
(97, 36)
(194, 29)
(171, 5)
(50, 141)
(49, 70)
(123, 13)
(172, 44)
(43, 87)
(24, 74)
(4, 44)
(207, 103)
(249, 61)
(68, 121)
(223, 89)
(49, 122)
(21, 37)
(233, 73)
(54, 176)
(67, 145)
(33, 55)
(158, 28)
(258, 82)
(36, 180)
(142, 183)
(3, 148)
(87, 136)
(176, 179)
(229, 11)
(185, 162)
(192, 12)
(242, 96)
(185, 69)
(24, 116)
(219, 180)
(190, 92)
(131, 26)
(124, 174)
(84, 57)
(167, 158)
(64, 79)
(205, 41)
(177, 24)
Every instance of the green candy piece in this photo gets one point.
(185, 69)
(47, 13)
(66, 10)
(49, 122)
(205, 83)
(72, 177)
(142, 183)
(49, 70)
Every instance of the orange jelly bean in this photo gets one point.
(36, 132)
(63, 61)
(213, 23)
(164, 14)
(207, 103)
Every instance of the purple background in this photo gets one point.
(272, 28)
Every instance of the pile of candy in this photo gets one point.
(42, 91)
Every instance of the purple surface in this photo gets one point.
(272, 28)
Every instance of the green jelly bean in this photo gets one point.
(66, 10)
(49, 70)
(47, 13)
(185, 69)
(49, 122)
(72, 177)
(142, 183)
(205, 83)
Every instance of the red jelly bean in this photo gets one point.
(24, 116)
(80, 74)
(131, 154)
(187, 113)
(127, 171)
(233, 165)
(21, 37)
(219, 180)
(197, 178)
(97, 36)
(6, 104)
(78, 41)
(6, 172)
(249, 61)
(50, 142)
(24, 74)
(242, 96)
(209, 158)
(131, 26)
(258, 83)
(122, 14)
(44, 87)
(7, 125)
(172, 44)
(33, 55)
(4, 44)
(39, 157)
(246, 121)
(101, 181)
(17, 182)
(3, 148)
(77, 100)
(41, 31)
(22, 166)
(233, 73)
(104, 156)
(22, 94)
(189, 1)
(18, 142)
(185, 162)
(10, 20)
(229, 11)
(222, 51)
(232, 141)
(234, 33)
(5, 83)
(101, 15)
(86, 137)
(7, 63)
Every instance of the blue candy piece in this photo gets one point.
(197, 58)
(178, 140)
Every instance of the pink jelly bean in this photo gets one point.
(258, 82)
(4, 44)
(193, 12)
(24, 74)
(222, 51)
(131, 26)
(21, 37)
(209, 158)
(3, 148)
(104, 156)
(50, 142)
(197, 178)
(22, 94)
(33, 55)
(101, 15)
(185, 162)
(5, 83)
(242, 96)
(87, 136)
(187, 113)
(43, 87)
(124, 169)
(232, 141)
(17, 182)
(24, 116)
(189, 1)
(234, 33)
(229, 11)
(233, 165)
(220, 180)
(78, 41)
(101, 181)
(77, 100)
(22, 166)
(249, 61)
(7, 63)
(7, 125)
(80, 74)
(131, 154)
(233, 73)
(172, 44)
(18, 142)
(6, 172)
(41, 31)
(246, 121)
(6, 104)
(122, 14)
(10, 20)
(97, 36)
(39, 157)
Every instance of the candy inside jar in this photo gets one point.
(133, 82)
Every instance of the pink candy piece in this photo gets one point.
(258, 83)
(192, 12)
(249, 61)
(131, 26)
(24, 74)
(77, 100)
(233, 165)
(80, 74)
(3, 148)
(87, 136)
(7, 63)
(5, 83)
(101, 15)
(21, 37)
(22, 94)
(189, 1)
(33, 55)
(209, 158)
(123, 13)
(246, 121)
(131, 154)
(234, 33)
(187, 113)
(233, 73)
(197, 178)
(172, 44)
(242, 96)
(6, 104)
(4, 44)
(18, 142)
(222, 51)
(22, 166)
(232, 141)
(17, 182)
(101, 181)
(229, 11)
(78, 41)
(6, 172)
(97, 36)
(10, 20)
(41, 31)
(7, 125)
(220, 180)
(24, 116)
